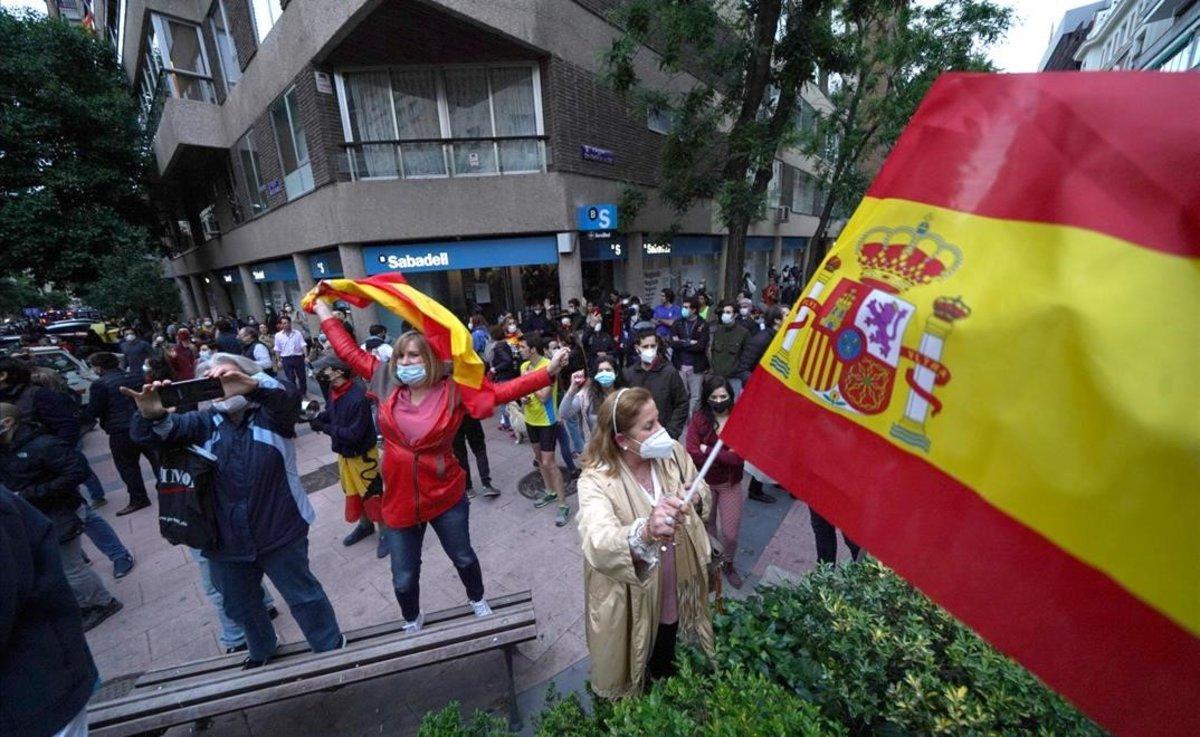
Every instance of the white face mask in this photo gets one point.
(596, 327)
(744, 312)
(727, 318)
(658, 445)
(205, 355)
(648, 355)
(230, 406)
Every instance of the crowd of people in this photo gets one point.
(631, 396)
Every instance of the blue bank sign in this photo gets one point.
(598, 217)
(449, 255)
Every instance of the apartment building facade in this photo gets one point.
(455, 141)
(1162, 35)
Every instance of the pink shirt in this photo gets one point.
(416, 420)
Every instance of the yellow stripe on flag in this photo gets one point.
(1071, 384)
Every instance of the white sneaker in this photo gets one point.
(481, 608)
(414, 627)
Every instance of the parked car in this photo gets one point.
(77, 374)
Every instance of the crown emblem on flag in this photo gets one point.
(899, 258)
(951, 308)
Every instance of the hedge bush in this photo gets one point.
(879, 657)
(695, 703)
(847, 651)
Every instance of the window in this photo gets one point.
(174, 54)
(266, 14)
(218, 23)
(397, 119)
(293, 145)
(253, 197)
(1186, 57)
(660, 121)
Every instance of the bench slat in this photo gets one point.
(234, 661)
(480, 634)
(282, 691)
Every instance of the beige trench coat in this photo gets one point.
(623, 598)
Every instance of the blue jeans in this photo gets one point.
(232, 634)
(404, 544)
(240, 582)
(564, 446)
(103, 536)
(95, 489)
(575, 433)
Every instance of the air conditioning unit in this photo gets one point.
(782, 213)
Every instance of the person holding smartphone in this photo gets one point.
(263, 514)
(419, 410)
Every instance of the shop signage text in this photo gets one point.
(657, 249)
(228, 278)
(415, 262)
(258, 274)
(597, 217)
(595, 153)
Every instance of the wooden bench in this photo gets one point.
(203, 689)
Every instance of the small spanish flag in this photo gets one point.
(990, 383)
(446, 334)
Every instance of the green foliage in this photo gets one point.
(17, 292)
(879, 657)
(887, 53)
(448, 723)
(73, 163)
(131, 283)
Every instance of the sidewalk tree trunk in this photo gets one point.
(732, 75)
(894, 50)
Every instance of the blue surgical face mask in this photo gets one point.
(413, 373)
(685, 311)
(605, 378)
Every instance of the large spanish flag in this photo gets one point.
(992, 382)
(446, 334)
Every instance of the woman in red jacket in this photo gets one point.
(725, 476)
(418, 411)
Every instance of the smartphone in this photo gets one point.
(190, 392)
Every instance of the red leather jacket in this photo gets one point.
(421, 478)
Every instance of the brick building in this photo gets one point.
(455, 140)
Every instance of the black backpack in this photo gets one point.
(187, 512)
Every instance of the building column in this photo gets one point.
(457, 295)
(353, 268)
(722, 265)
(254, 299)
(186, 298)
(518, 291)
(221, 300)
(305, 279)
(777, 253)
(570, 270)
(635, 275)
(200, 295)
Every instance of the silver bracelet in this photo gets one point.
(645, 551)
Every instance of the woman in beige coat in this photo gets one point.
(646, 553)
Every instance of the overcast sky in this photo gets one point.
(1020, 52)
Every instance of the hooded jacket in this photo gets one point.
(260, 504)
(46, 472)
(421, 477)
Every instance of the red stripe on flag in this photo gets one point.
(1130, 668)
(1072, 149)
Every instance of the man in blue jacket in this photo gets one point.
(262, 512)
(46, 670)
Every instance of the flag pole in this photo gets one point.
(712, 456)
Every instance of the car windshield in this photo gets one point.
(57, 361)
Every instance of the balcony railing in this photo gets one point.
(438, 158)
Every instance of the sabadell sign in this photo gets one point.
(408, 261)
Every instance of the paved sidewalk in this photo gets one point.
(167, 620)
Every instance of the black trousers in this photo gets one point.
(826, 535)
(126, 456)
(471, 431)
(661, 663)
(293, 371)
